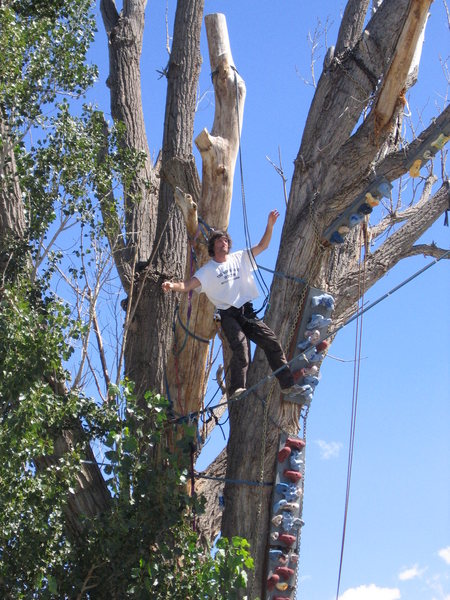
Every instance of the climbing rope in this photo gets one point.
(186, 329)
(356, 373)
(281, 274)
(248, 242)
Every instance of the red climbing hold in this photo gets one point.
(322, 346)
(284, 572)
(295, 443)
(272, 581)
(284, 453)
(293, 476)
(287, 539)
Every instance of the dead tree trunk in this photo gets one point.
(219, 151)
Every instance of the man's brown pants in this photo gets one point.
(240, 324)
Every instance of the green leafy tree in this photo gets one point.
(134, 538)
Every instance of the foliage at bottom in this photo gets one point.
(140, 545)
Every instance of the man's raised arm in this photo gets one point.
(265, 240)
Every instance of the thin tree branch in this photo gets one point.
(398, 217)
(352, 24)
(398, 246)
(107, 201)
(426, 250)
(109, 13)
(279, 169)
(101, 348)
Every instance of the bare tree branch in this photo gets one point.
(397, 217)
(279, 169)
(111, 219)
(353, 75)
(109, 14)
(398, 246)
(352, 24)
(427, 250)
(396, 164)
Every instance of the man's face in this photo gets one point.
(221, 245)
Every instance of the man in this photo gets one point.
(228, 281)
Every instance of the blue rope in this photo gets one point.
(281, 274)
(196, 337)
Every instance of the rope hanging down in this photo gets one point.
(356, 373)
(248, 242)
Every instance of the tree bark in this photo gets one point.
(154, 228)
(12, 218)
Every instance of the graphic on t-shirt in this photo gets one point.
(228, 273)
(230, 283)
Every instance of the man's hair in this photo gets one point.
(215, 235)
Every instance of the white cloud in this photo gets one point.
(436, 584)
(329, 449)
(411, 573)
(445, 554)
(371, 592)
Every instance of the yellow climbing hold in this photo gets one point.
(440, 141)
(371, 201)
(282, 586)
(414, 170)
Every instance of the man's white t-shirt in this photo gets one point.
(230, 283)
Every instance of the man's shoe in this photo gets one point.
(237, 393)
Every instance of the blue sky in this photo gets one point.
(398, 526)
